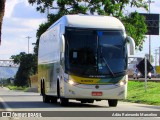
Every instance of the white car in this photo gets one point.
(138, 75)
(153, 73)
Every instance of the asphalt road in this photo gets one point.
(143, 79)
(29, 101)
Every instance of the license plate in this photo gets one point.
(96, 93)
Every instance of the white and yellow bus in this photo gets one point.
(85, 58)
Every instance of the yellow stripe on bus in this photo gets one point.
(82, 80)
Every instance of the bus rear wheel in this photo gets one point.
(112, 103)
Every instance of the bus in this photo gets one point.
(84, 58)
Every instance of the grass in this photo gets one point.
(137, 93)
(11, 87)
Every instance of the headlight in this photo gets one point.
(71, 82)
(122, 82)
(149, 74)
(139, 74)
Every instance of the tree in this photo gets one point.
(134, 23)
(105, 7)
(135, 26)
(28, 66)
(2, 9)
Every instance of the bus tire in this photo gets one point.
(46, 98)
(112, 103)
(53, 99)
(64, 101)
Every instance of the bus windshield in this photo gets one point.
(95, 53)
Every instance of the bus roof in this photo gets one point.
(91, 21)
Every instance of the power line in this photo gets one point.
(159, 56)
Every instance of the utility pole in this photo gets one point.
(159, 56)
(149, 2)
(156, 53)
(145, 73)
(28, 37)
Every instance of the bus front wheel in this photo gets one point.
(64, 101)
(112, 103)
(53, 99)
(46, 98)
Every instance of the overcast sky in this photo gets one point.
(22, 20)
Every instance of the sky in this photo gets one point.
(21, 20)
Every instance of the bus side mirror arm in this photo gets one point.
(62, 44)
(132, 45)
(62, 47)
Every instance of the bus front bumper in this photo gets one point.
(99, 92)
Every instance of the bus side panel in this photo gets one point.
(43, 76)
(49, 73)
(48, 60)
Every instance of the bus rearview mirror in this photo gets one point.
(131, 44)
(62, 44)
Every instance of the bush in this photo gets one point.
(16, 87)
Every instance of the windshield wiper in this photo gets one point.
(110, 70)
(108, 67)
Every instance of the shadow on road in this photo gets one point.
(1, 107)
(18, 95)
(35, 104)
(147, 106)
(76, 104)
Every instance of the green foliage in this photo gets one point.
(17, 58)
(11, 87)
(102, 7)
(28, 66)
(135, 27)
(136, 93)
(134, 23)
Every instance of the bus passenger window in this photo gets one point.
(74, 54)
